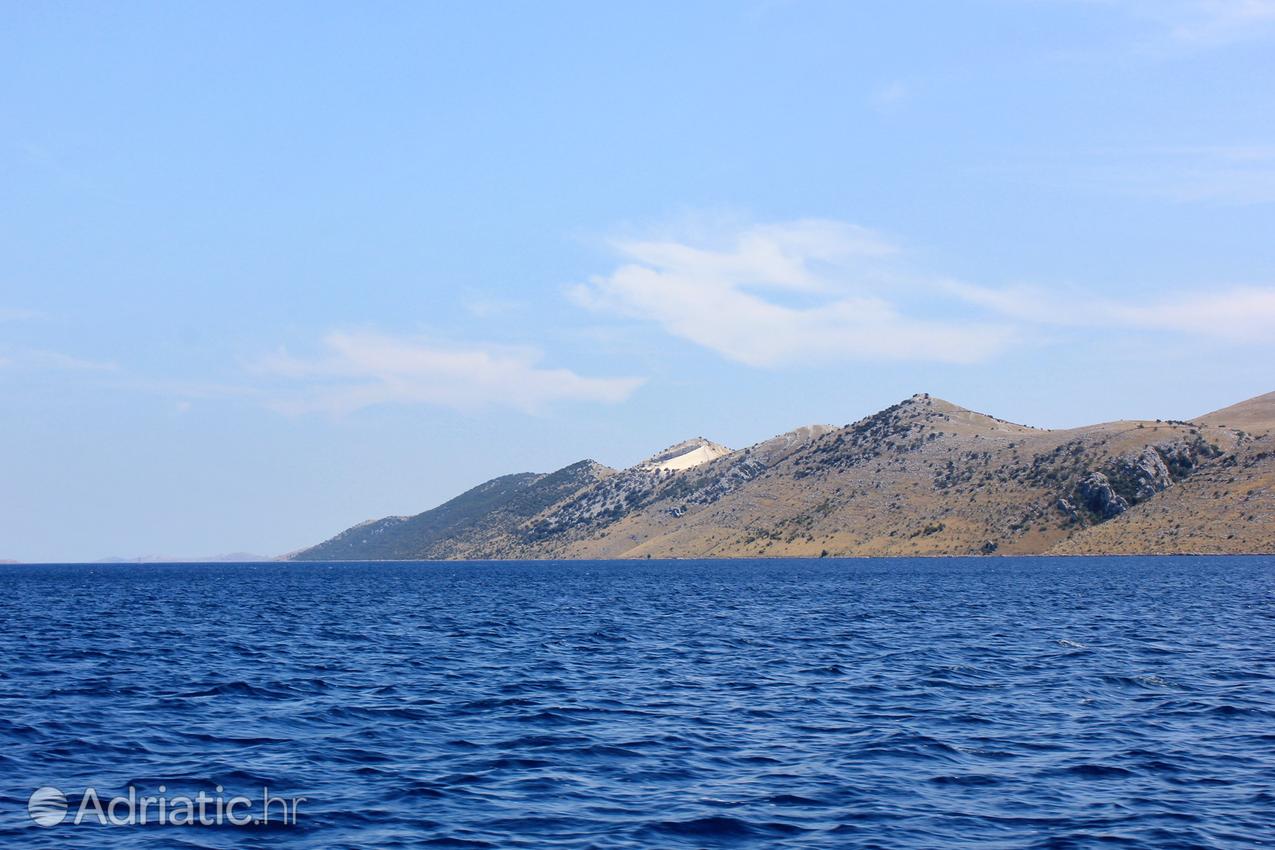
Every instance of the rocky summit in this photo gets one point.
(923, 477)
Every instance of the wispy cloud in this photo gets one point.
(58, 360)
(1198, 24)
(187, 390)
(777, 294)
(42, 360)
(487, 307)
(1214, 22)
(1233, 174)
(815, 291)
(1241, 314)
(1223, 174)
(18, 315)
(364, 369)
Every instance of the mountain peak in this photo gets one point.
(926, 401)
(924, 407)
(685, 455)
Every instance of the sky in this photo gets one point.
(268, 270)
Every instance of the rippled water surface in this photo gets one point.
(905, 703)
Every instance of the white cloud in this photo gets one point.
(736, 298)
(363, 369)
(1236, 314)
(822, 291)
(1244, 314)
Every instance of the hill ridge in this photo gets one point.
(924, 476)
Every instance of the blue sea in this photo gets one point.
(927, 703)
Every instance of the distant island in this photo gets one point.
(229, 558)
(923, 477)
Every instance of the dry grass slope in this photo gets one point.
(923, 477)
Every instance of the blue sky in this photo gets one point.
(270, 269)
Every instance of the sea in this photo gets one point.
(911, 703)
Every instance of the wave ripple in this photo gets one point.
(906, 703)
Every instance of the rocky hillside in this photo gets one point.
(923, 477)
(1228, 505)
(475, 524)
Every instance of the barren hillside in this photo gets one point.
(923, 477)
